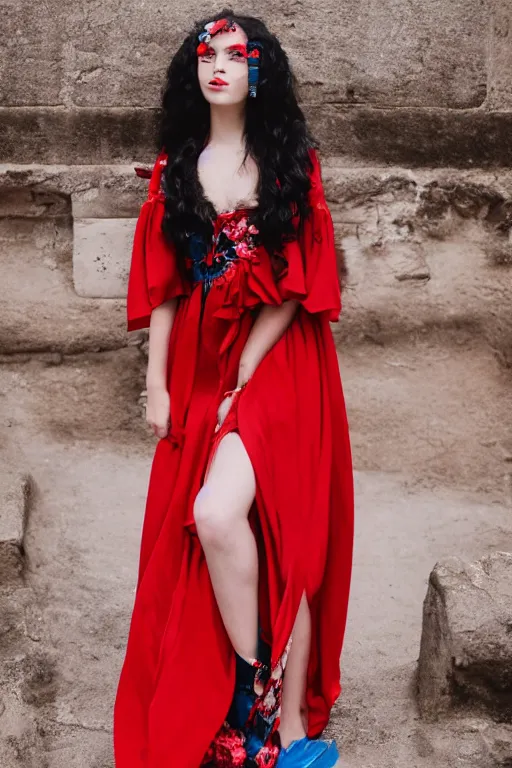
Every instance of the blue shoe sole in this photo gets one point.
(309, 753)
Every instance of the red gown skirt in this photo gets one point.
(177, 679)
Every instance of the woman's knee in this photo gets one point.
(214, 521)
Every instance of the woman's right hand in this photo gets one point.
(158, 408)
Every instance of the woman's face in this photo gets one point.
(225, 59)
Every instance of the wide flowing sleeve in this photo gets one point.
(154, 276)
(312, 276)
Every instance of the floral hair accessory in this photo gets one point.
(253, 49)
(211, 29)
(253, 61)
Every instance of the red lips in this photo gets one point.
(218, 81)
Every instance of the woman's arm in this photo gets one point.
(158, 403)
(268, 328)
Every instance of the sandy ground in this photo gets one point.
(430, 421)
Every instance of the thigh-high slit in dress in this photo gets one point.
(177, 680)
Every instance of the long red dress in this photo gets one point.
(177, 680)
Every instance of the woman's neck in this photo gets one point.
(227, 125)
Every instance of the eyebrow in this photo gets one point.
(235, 47)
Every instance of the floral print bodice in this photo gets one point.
(232, 274)
(233, 240)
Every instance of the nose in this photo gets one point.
(218, 67)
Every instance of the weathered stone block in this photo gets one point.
(101, 256)
(411, 136)
(14, 496)
(33, 64)
(117, 196)
(466, 645)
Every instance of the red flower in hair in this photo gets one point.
(254, 54)
(202, 48)
(218, 25)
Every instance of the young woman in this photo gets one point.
(240, 609)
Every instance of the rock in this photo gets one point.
(14, 498)
(465, 660)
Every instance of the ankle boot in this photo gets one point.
(246, 691)
(251, 676)
(249, 711)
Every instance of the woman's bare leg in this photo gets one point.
(293, 705)
(221, 512)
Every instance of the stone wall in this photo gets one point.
(412, 105)
(393, 81)
(426, 249)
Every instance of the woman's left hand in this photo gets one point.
(223, 410)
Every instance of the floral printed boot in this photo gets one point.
(249, 737)
(255, 708)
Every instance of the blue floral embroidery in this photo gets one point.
(234, 241)
(223, 257)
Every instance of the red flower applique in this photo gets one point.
(267, 757)
(227, 750)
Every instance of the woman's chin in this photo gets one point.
(222, 97)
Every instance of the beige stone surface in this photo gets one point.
(39, 307)
(500, 60)
(116, 55)
(101, 256)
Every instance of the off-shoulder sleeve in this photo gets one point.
(154, 276)
(312, 274)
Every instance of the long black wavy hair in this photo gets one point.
(275, 133)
